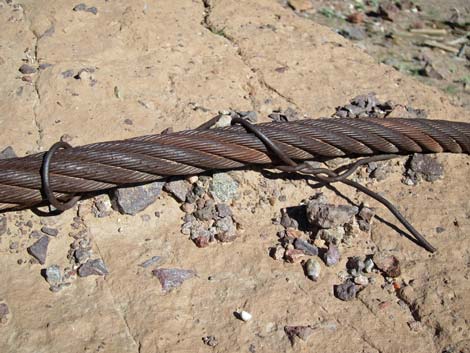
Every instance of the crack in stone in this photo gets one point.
(37, 103)
(206, 22)
(137, 343)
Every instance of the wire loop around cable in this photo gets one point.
(45, 174)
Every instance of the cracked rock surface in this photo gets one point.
(129, 68)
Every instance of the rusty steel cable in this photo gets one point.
(57, 175)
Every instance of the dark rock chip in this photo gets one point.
(288, 115)
(81, 255)
(8, 153)
(223, 210)
(93, 267)
(364, 218)
(345, 291)
(3, 225)
(210, 341)
(171, 278)
(39, 249)
(92, 10)
(26, 69)
(306, 247)
(424, 166)
(202, 241)
(4, 313)
(132, 200)
(178, 188)
(325, 215)
(295, 332)
(206, 213)
(151, 261)
(287, 221)
(80, 7)
(67, 73)
(50, 231)
(388, 264)
(332, 255)
(44, 66)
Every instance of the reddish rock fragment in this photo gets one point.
(171, 278)
(294, 255)
(301, 332)
(388, 264)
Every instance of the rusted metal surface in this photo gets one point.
(105, 165)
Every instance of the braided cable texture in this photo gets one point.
(100, 166)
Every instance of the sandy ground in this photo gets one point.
(157, 64)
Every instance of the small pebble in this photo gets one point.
(67, 73)
(4, 313)
(178, 188)
(39, 249)
(388, 264)
(8, 152)
(277, 253)
(80, 7)
(27, 69)
(53, 275)
(210, 341)
(171, 278)
(361, 280)
(92, 10)
(93, 267)
(332, 255)
(306, 247)
(301, 332)
(312, 269)
(368, 265)
(244, 315)
(345, 291)
(293, 255)
(151, 261)
(224, 187)
(50, 231)
(131, 200)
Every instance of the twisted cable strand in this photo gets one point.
(104, 165)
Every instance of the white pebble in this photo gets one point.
(361, 280)
(245, 315)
